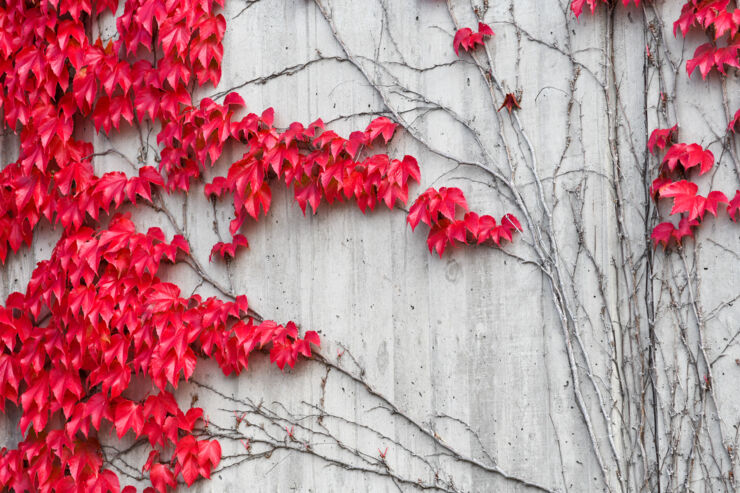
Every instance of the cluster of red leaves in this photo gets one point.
(577, 5)
(94, 315)
(54, 78)
(228, 250)
(677, 162)
(438, 210)
(717, 20)
(317, 163)
(713, 17)
(469, 40)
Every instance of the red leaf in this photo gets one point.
(685, 198)
(727, 55)
(485, 29)
(456, 231)
(713, 200)
(380, 126)
(85, 461)
(312, 338)
(472, 224)
(510, 102)
(163, 297)
(186, 452)
(112, 188)
(577, 6)
(661, 137)
(698, 156)
(684, 229)
(679, 188)
(234, 99)
(438, 237)
(687, 18)
(96, 408)
(282, 354)
(187, 422)
(419, 212)
(658, 185)
(162, 477)
(174, 36)
(689, 155)
(723, 23)
(356, 140)
(449, 199)
(703, 59)
(147, 102)
(128, 416)
(662, 233)
(228, 250)
(181, 243)
(400, 171)
(510, 222)
(217, 187)
(268, 116)
(733, 124)
(460, 36)
(209, 455)
(307, 194)
(261, 196)
(734, 206)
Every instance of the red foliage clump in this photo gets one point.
(677, 162)
(95, 314)
(722, 24)
(438, 210)
(468, 40)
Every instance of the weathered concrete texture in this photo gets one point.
(485, 370)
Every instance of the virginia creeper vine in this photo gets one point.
(722, 24)
(95, 314)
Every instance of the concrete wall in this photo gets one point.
(571, 360)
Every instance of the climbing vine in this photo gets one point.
(721, 23)
(96, 314)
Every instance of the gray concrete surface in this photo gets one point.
(486, 370)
